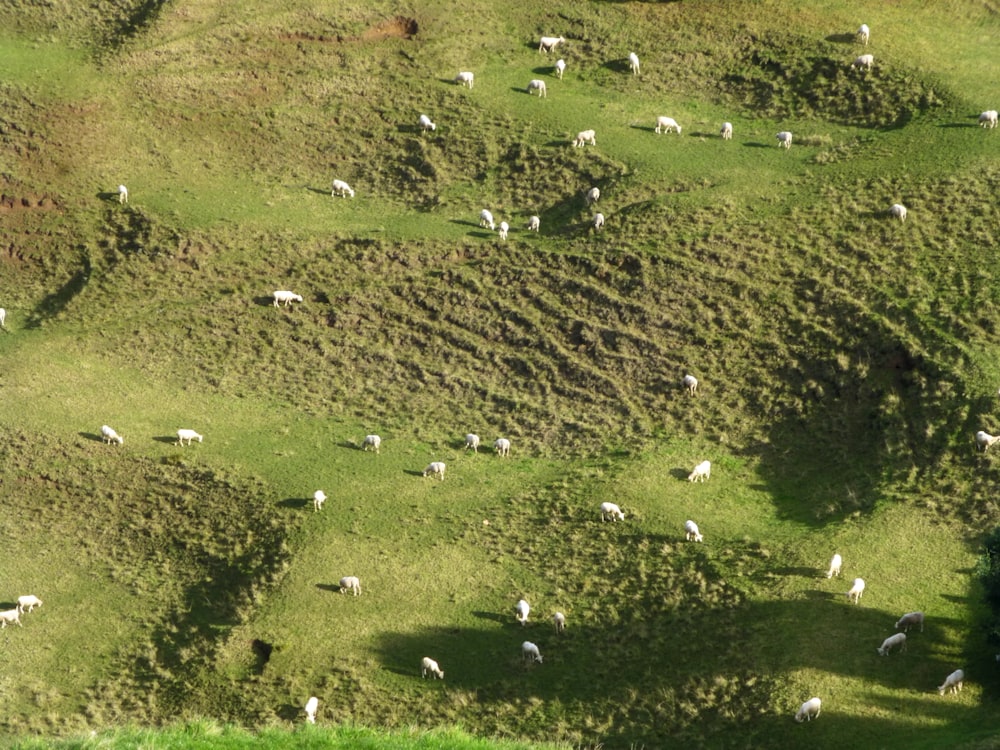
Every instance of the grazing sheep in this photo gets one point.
(585, 136)
(784, 139)
(898, 639)
(863, 61)
(504, 228)
(692, 532)
(188, 435)
(529, 652)
(559, 620)
(612, 511)
(857, 589)
(864, 34)
(548, 43)
(3, 318)
(372, 442)
(427, 664)
(12, 616)
(319, 497)
(534, 224)
(727, 131)
(435, 468)
(350, 583)
(28, 600)
(425, 123)
(910, 620)
(988, 119)
(108, 435)
(952, 683)
(312, 705)
(835, 563)
(598, 221)
(592, 195)
(633, 63)
(486, 219)
(342, 189)
(502, 447)
(701, 472)
(984, 440)
(536, 84)
(521, 611)
(690, 383)
(898, 210)
(285, 297)
(808, 710)
(465, 78)
(666, 124)
(560, 68)
(472, 441)
(122, 194)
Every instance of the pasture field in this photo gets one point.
(845, 361)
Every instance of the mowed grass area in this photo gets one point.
(845, 361)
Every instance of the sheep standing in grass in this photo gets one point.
(988, 119)
(425, 123)
(592, 196)
(465, 78)
(3, 318)
(559, 620)
(692, 532)
(534, 224)
(863, 61)
(189, 435)
(952, 683)
(504, 228)
(435, 468)
(857, 589)
(898, 639)
(10, 617)
(285, 297)
(863, 34)
(598, 221)
(319, 497)
(584, 137)
(472, 441)
(984, 440)
(727, 131)
(502, 447)
(28, 602)
(808, 710)
(427, 664)
(537, 84)
(666, 124)
(486, 219)
(898, 210)
(835, 563)
(521, 610)
(529, 652)
(548, 43)
(911, 620)
(342, 189)
(108, 435)
(350, 583)
(122, 194)
(633, 63)
(701, 472)
(312, 706)
(612, 512)
(690, 383)
(372, 443)
(560, 68)
(784, 139)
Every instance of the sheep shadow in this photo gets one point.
(801, 571)
(481, 235)
(107, 195)
(846, 38)
(321, 191)
(263, 301)
(816, 595)
(91, 436)
(290, 713)
(295, 502)
(333, 588)
(494, 616)
(647, 128)
(524, 90)
(757, 144)
(680, 473)
(620, 66)
(413, 472)
(950, 125)
(172, 439)
(465, 222)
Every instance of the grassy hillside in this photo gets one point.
(845, 360)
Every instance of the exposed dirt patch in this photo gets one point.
(27, 203)
(399, 27)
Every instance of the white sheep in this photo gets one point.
(988, 119)
(666, 124)
(28, 600)
(690, 383)
(312, 705)
(342, 189)
(611, 511)
(486, 219)
(521, 611)
(633, 63)
(692, 532)
(425, 123)
(864, 34)
(857, 589)
(319, 497)
(122, 194)
(560, 68)
(534, 224)
(372, 443)
(911, 620)
(427, 664)
(559, 620)
(863, 61)
(701, 472)
(784, 139)
(189, 435)
(808, 710)
(3, 318)
(10, 616)
(350, 583)
(548, 43)
(898, 210)
(435, 468)
(537, 84)
(285, 297)
(727, 131)
(592, 195)
(108, 435)
(529, 652)
(502, 447)
(465, 78)
(897, 639)
(585, 136)
(952, 683)
(472, 441)
(504, 228)
(984, 440)
(598, 221)
(835, 564)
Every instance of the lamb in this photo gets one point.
(425, 123)
(911, 619)
(633, 63)
(559, 620)
(427, 664)
(502, 447)
(465, 78)
(350, 583)
(592, 195)
(3, 318)
(898, 210)
(984, 440)
(342, 189)
(312, 705)
(536, 84)
(585, 136)
(701, 472)
(28, 600)
(372, 442)
(472, 441)
(529, 651)
(666, 124)
(863, 34)
(108, 435)
(988, 119)
(690, 383)
(319, 497)
(504, 228)
(835, 562)
(784, 139)
(612, 511)
(598, 221)
(692, 532)
(285, 297)
(727, 131)
(863, 61)
(12, 616)
(188, 435)
(122, 194)
(808, 710)
(534, 224)
(435, 468)
(898, 639)
(548, 43)
(952, 683)
(521, 610)
(486, 219)
(560, 68)
(854, 595)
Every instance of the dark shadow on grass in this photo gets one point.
(54, 303)
(619, 66)
(107, 195)
(465, 222)
(494, 616)
(680, 473)
(414, 473)
(646, 128)
(321, 191)
(949, 125)
(294, 502)
(331, 587)
(800, 571)
(842, 38)
(481, 235)
(264, 301)
(91, 436)
(349, 445)
(166, 439)
(291, 713)
(757, 144)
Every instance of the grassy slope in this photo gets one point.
(417, 321)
